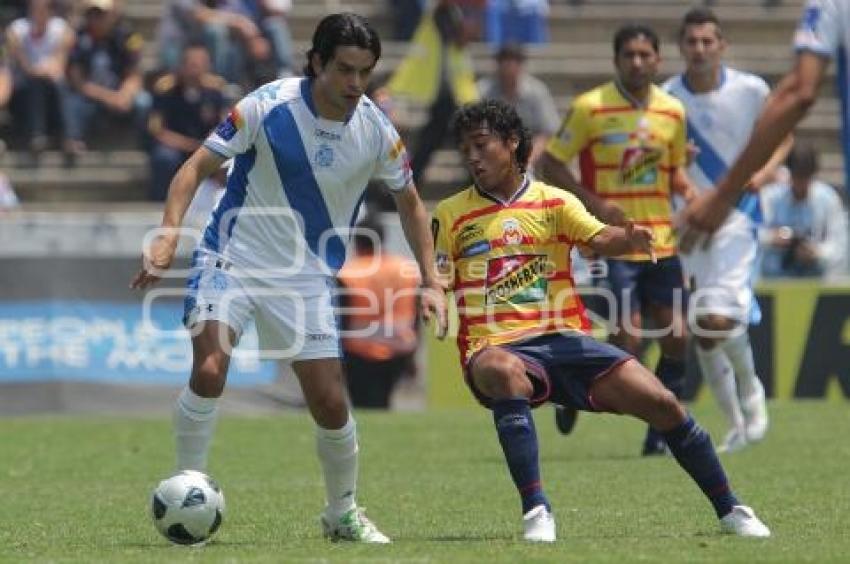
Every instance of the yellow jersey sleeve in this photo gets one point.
(578, 224)
(573, 134)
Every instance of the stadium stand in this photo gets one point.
(577, 58)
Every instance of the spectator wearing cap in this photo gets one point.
(38, 47)
(530, 97)
(103, 73)
(187, 104)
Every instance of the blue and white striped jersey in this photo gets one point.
(298, 179)
(720, 122)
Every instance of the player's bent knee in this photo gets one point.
(501, 375)
(670, 411)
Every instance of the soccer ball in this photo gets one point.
(187, 508)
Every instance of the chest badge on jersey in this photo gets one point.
(639, 166)
(324, 155)
(511, 233)
(516, 279)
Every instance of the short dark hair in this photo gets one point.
(802, 161)
(632, 31)
(345, 29)
(511, 50)
(699, 16)
(501, 118)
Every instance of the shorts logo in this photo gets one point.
(516, 279)
(324, 155)
(511, 233)
(316, 337)
(639, 166)
(231, 125)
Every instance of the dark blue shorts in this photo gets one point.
(562, 367)
(643, 283)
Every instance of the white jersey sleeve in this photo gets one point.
(820, 28)
(238, 131)
(393, 166)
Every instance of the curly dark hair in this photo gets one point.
(500, 118)
(337, 30)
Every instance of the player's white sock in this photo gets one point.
(718, 374)
(337, 450)
(740, 354)
(194, 423)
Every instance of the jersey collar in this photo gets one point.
(690, 90)
(307, 96)
(526, 182)
(631, 99)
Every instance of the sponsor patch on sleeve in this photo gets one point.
(231, 125)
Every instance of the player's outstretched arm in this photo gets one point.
(557, 174)
(613, 241)
(789, 103)
(414, 222)
(159, 255)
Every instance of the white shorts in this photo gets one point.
(722, 274)
(295, 320)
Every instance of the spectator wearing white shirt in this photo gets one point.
(805, 230)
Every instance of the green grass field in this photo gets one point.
(76, 489)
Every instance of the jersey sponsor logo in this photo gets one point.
(329, 135)
(469, 232)
(639, 166)
(614, 139)
(231, 125)
(516, 279)
(476, 248)
(612, 122)
(324, 155)
(511, 233)
(268, 91)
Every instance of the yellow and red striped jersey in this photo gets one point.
(508, 263)
(627, 154)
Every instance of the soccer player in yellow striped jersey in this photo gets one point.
(503, 245)
(629, 138)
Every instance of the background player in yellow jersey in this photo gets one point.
(629, 137)
(503, 245)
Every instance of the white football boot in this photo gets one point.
(742, 521)
(539, 525)
(353, 525)
(735, 440)
(755, 414)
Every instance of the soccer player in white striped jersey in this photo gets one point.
(722, 104)
(823, 33)
(304, 150)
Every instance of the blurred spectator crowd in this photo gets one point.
(73, 76)
(71, 72)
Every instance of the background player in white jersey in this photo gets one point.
(824, 28)
(304, 151)
(722, 104)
